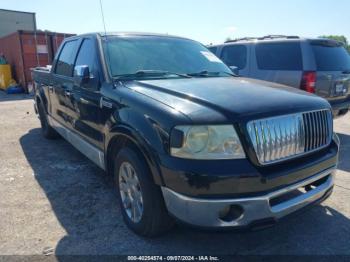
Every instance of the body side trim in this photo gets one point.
(90, 151)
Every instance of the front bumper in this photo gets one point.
(206, 212)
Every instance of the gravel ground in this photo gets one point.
(55, 201)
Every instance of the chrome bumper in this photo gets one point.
(205, 212)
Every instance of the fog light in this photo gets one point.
(231, 213)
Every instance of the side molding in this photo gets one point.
(90, 151)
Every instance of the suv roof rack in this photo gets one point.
(263, 38)
(241, 39)
(280, 36)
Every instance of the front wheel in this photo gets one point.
(141, 201)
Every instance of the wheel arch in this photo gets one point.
(40, 98)
(122, 136)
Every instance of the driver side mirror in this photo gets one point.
(81, 75)
(234, 70)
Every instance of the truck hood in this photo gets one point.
(230, 98)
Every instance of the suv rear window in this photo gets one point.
(330, 56)
(279, 56)
(235, 55)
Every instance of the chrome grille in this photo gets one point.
(283, 137)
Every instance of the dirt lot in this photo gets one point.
(55, 201)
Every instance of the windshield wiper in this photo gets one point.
(206, 73)
(145, 73)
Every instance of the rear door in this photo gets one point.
(279, 62)
(62, 82)
(333, 69)
(236, 55)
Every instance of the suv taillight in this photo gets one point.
(308, 81)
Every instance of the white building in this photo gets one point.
(12, 21)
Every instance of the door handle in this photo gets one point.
(51, 89)
(84, 101)
(104, 103)
(68, 93)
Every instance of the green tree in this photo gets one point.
(339, 38)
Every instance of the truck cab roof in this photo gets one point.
(126, 34)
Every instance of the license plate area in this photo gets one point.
(340, 89)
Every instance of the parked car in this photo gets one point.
(182, 136)
(320, 66)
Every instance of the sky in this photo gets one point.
(207, 21)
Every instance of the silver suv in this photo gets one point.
(319, 66)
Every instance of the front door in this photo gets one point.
(84, 109)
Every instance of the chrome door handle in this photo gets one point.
(51, 89)
(104, 103)
(67, 93)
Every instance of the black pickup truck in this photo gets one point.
(183, 136)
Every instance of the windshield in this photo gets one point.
(129, 55)
(331, 57)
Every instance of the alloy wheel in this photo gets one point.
(130, 192)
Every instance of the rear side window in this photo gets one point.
(65, 62)
(279, 56)
(235, 55)
(330, 58)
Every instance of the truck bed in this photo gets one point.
(41, 75)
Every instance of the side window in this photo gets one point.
(65, 61)
(213, 49)
(235, 55)
(279, 56)
(86, 56)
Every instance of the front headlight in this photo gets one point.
(206, 142)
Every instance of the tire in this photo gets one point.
(154, 219)
(47, 131)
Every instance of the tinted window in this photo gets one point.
(86, 55)
(127, 55)
(235, 55)
(213, 49)
(331, 58)
(66, 59)
(279, 56)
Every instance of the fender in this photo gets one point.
(144, 147)
(146, 128)
(40, 94)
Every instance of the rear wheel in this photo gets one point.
(47, 131)
(141, 201)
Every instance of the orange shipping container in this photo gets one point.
(26, 49)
